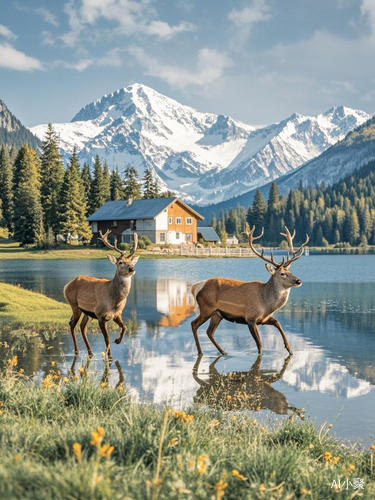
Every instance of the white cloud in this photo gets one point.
(112, 58)
(243, 20)
(6, 32)
(368, 10)
(131, 17)
(80, 65)
(47, 15)
(209, 69)
(14, 59)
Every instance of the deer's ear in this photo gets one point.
(112, 259)
(135, 259)
(270, 269)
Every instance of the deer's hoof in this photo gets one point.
(117, 341)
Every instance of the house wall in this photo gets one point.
(116, 227)
(176, 210)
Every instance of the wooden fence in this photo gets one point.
(205, 252)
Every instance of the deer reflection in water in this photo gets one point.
(84, 370)
(250, 390)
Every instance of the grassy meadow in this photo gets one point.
(71, 438)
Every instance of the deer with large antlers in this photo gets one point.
(251, 303)
(102, 299)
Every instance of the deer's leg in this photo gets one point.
(255, 333)
(274, 322)
(214, 323)
(84, 324)
(120, 323)
(72, 323)
(103, 327)
(195, 324)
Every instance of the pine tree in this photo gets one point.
(52, 173)
(148, 184)
(72, 215)
(106, 182)
(132, 189)
(6, 188)
(28, 214)
(258, 211)
(87, 180)
(97, 191)
(117, 188)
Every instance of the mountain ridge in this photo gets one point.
(203, 157)
(12, 132)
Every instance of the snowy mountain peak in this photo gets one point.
(203, 157)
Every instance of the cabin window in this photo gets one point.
(178, 220)
(170, 220)
(189, 220)
(114, 223)
(94, 227)
(189, 236)
(162, 237)
(177, 235)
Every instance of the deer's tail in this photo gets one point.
(195, 289)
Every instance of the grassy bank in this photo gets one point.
(74, 439)
(24, 308)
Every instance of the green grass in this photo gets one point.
(156, 455)
(26, 308)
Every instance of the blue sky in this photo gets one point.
(256, 60)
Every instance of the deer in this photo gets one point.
(102, 299)
(251, 303)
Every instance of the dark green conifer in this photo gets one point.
(132, 189)
(6, 188)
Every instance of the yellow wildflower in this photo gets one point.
(230, 374)
(76, 377)
(81, 370)
(262, 429)
(304, 491)
(372, 447)
(311, 446)
(106, 450)
(214, 423)
(255, 422)
(182, 416)
(351, 468)
(53, 363)
(234, 418)
(13, 362)
(327, 456)
(202, 463)
(97, 436)
(77, 450)
(262, 489)
(173, 442)
(103, 385)
(120, 388)
(47, 381)
(237, 475)
(21, 370)
(330, 426)
(17, 457)
(334, 461)
(190, 464)
(220, 488)
(66, 380)
(229, 397)
(189, 418)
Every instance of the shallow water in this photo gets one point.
(329, 321)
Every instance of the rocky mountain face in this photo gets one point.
(203, 157)
(12, 132)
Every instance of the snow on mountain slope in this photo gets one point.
(203, 157)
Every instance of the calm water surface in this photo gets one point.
(329, 321)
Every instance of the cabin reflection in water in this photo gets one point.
(246, 390)
(167, 302)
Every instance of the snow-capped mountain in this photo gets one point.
(340, 160)
(203, 157)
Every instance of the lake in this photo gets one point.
(329, 321)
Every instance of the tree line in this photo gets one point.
(40, 199)
(343, 213)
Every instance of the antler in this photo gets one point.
(252, 238)
(296, 254)
(104, 238)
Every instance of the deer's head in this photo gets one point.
(280, 270)
(125, 264)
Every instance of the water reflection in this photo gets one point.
(330, 326)
(240, 390)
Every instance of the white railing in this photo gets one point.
(205, 252)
